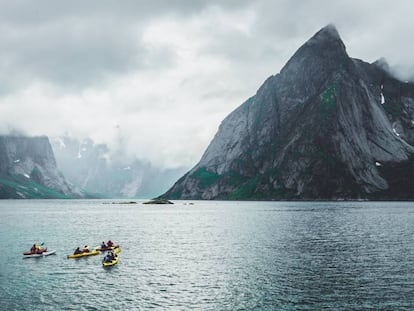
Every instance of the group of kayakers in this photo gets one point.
(37, 249)
(110, 259)
(104, 246)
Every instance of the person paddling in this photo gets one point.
(107, 258)
(39, 249)
(77, 251)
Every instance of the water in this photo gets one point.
(210, 256)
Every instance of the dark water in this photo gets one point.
(210, 256)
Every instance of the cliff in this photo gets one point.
(328, 126)
(28, 170)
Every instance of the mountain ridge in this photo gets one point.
(325, 127)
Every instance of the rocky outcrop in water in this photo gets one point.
(28, 170)
(158, 201)
(326, 127)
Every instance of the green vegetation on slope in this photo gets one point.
(328, 99)
(205, 177)
(245, 191)
(18, 188)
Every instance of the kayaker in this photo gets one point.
(110, 243)
(107, 258)
(33, 249)
(111, 255)
(77, 251)
(40, 250)
(103, 245)
(85, 249)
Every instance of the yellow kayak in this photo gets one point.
(83, 254)
(111, 263)
(117, 250)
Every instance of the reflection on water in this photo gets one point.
(211, 256)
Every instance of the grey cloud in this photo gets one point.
(37, 12)
(80, 43)
(74, 53)
(92, 54)
(77, 44)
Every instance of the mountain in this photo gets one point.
(28, 170)
(326, 127)
(97, 169)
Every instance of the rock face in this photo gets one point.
(28, 170)
(326, 127)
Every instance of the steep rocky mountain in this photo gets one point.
(326, 127)
(97, 169)
(28, 170)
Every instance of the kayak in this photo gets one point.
(111, 263)
(117, 250)
(83, 254)
(39, 255)
(38, 251)
(111, 248)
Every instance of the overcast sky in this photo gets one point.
(161, 75)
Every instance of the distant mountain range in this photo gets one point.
(97, 169)
(326, 127)
(31, 169)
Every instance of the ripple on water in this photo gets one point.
(211, 256)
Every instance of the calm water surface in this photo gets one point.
(210, 256)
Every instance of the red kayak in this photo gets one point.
(38, 251)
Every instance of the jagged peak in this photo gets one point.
(329, 31)
(324, 49)
(327, 35)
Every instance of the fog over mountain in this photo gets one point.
(97, 170)
(163, 74)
